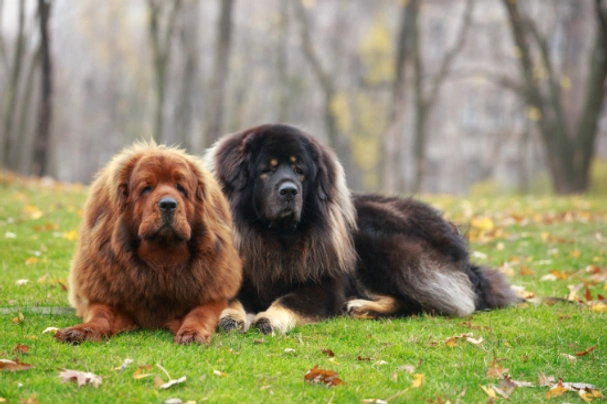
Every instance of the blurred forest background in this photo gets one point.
(444, 96)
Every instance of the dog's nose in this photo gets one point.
(288, 190)
(167, 204)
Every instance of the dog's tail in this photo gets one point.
(492, 288)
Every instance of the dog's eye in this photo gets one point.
(146, 190)
(182, 190)
(298, 170)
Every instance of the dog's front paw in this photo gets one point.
(190, 336)
(229, 323)
(79, 333)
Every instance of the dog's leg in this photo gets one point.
(307, 304)
(380, 307)
(100, 321)
(199, 324)
(234, 317)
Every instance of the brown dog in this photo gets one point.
(155, 249)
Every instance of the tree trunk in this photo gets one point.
(10, 97)
(41, 141)
(569, 154)
(392, 178)
(223, 43)
(161, 50)
(282, 67)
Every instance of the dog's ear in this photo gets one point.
(326, 170)
(123, 195)
(229, 159)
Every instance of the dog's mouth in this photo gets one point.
(287, 218)
(164, 231)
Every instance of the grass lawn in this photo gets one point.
(547, 246)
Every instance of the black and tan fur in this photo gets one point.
(307, 256)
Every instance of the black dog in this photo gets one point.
(304, 253)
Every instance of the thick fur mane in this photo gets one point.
(322, 244)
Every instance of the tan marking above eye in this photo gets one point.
(264, 176)
(301, 178)
(293, 159)
(273, 162)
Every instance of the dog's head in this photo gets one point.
(279, 173)
(159, 190)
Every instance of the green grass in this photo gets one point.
(533, 235)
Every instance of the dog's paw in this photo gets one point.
(78, 334)
(358, 308)
(190, 336)
(229, 323)
(264, 325)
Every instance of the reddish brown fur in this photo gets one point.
(135, 268)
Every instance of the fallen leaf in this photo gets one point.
(158, 381)
(452, 341)
(327, 377)
(126, 363)
(71, 235)
(23, 349)
(21, 282)
(573, 291)
(31, 260)
(556, 390)
(13, 366)
(407, 368)
(328, 352)
(599, 307)
(381, 362)
(50, 329)
(586, 352)
(18, 319)
(360, 358)
(173, 401)
(171, 383)
(9, 234)
(259, 341)
(219, 373)
(81, 378)
(496, 371)
(587, 294)
(475, 341)
(137, 374)
(570, 357)
(545, 381)
(289, 350)
(482, 223)
(489, 391)
(418, 380)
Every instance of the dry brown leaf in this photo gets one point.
(452, 341)
(328, 352)
(137, 374)
(587, 294)
(360, 358)
(158, 381)
(22, 349)
(496, 371)
(557, 390)
(407, 368)
(81, 378)
(586, 352)
(475, 341)
(14, 366)
(18, 319)
(327, 377)
(545, 381)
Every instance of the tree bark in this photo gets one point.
(10, 96)
(392, 179)
(569, 154)
(161, 49)
(424, 103)
(217, 91)
(42, 139)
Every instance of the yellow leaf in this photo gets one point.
(19, 319)
(534, 113)
(31, 260)
(482, 223)
(599, 307)
(575, 254)
(556, 391)
(451, 342)
(489, 391)
(32, 212)
(71, 235)
(138, 375)
(419, 380)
